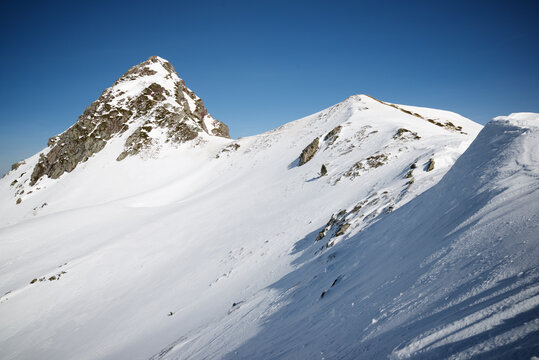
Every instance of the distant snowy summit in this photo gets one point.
(147, 106)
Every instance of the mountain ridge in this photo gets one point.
(210, 243)
(461, 285)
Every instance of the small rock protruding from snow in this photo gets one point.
(323, 170)
(430, 165)
(309, 151)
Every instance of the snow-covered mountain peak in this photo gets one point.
(145, 109)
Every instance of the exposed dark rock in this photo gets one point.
(405, 134)
(342, 229)
(375, 161)
(136, 142)
(309, 151)
(336, 226)
(448, 125)
(108, 117)
(326, 228)
(78, 143)
(228, 149)
(221, 129)
(371, 162)
(323, 170)
(430, 165)
(17, 165)
(336, 281)
(19, 200)
(332, 135)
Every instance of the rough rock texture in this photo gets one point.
(332, 135)
(372, 162)
(342, 229)
(323, 170)
(17, 165)
(446, 125)
(148, 97)
(405, 134)
(430, 165)
(308, 153)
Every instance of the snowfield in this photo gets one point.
(229, 249)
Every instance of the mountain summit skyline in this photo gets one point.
(280, 61)
(368, 229)
(149, 110)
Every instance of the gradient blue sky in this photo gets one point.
(259, 64)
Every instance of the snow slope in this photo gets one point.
(452, 274)
(207, 249)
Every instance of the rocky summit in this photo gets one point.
(149, 103)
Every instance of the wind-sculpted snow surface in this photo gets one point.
(221, 248)
(452, 274)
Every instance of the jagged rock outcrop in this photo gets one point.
(149, 101)
(332, 135)
(371, 162)
(17, 165)
(430, 165)
(405, 134)
(309, 151)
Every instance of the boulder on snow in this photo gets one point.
(323, 170)
(309, 151)
(332, 135)
(342, 229)
(405, 134)
(430, 165)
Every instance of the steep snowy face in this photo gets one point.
(389, 153)
(149, 102)
(453, 274)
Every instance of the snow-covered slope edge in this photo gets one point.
(452, 274)
(121, 245)
(119, 256)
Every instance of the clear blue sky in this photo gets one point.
(259, 64)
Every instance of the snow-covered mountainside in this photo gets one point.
(452, 274)
(329, 237)
(145, 108)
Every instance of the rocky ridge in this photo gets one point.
(149, 104)
(197, 235)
